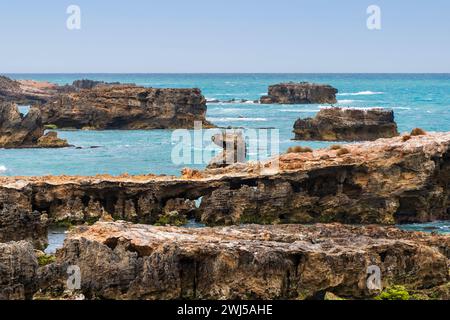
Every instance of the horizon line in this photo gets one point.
(194, 73)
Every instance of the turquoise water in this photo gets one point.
(419, 100)
(441, 227)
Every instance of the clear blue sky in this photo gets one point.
(225, 36)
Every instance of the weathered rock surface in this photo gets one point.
(29, 92)
(101, 105)
(385, 181)
(337, 124)
(127, 107)
(18, 131)
(234, 149)
(26, 92)
(125, 261)
(300, 93)
(51, 140)
(17, 224)
(18, 269)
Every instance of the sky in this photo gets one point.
(215, 36)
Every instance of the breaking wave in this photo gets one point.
(236, 119)
(361, 93)
(3, 169)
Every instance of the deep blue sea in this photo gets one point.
(418, 100)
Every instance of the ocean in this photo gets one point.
(418, 100)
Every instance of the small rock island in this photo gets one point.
(342, 124)
(300, 93)
(98, 105)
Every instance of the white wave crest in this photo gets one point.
(361, 93)
(3, 169)
(345, 101)
(236, 119)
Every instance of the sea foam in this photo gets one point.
(361, 93)
(3, 169)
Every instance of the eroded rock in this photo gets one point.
(338, 124)
(125, 261)
(300, 93)
(18, 269)
(234, 149)
(18, 131)
(127, 107)
(385, 181)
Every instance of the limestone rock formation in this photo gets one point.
(385, 181)
(18, 269)
(300, 93)
(234, 149)
(51, 140)
(26, 92)
(127, 107)
(17, 224)
(18, 131)
(126, 261)
(337, 124)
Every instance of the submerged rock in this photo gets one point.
(18, 131)
(337, 124)
(127, 107)
(124, 261)
(300, 93)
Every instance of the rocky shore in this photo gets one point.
(119, 260)
(18, 131)
(339, 124)
(300, 93)
(387, 181)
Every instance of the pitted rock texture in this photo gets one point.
(338, 124)
(18, 271)
(300, 93)
(26, 92)
(386, 181)
(126, 107)
(126, 261)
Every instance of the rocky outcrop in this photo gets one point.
(26, 92)
(127, 107)
(29, 92)
(51, 140)
(125, 261)
(300, 93)
(17, 224)
(118, 260)
(234, 149)
(337, 124)
(18, 271)
(386, 181)
(18, 131)
(89, 104)
(90, 84)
